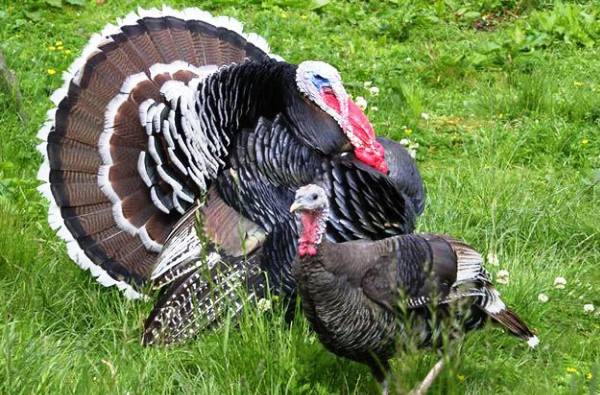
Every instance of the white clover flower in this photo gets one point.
(367, 84)
(263, 305)
(411, 147)
(361, 102)
(374, 91)
(560, 283)
(425, 116)
(492, 259)
(588, 308)
(543, 298)
(374, 108)
(502, 277)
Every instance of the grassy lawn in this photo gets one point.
(503, 100)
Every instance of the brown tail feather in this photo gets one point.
(513, 323)
(182, 38)
(496, 309)
(94, 216)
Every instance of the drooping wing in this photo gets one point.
(419, 269)
(210, 262)
(201, 297)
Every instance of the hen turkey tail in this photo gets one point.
(115, 186)
(470, 270)
(499, 313)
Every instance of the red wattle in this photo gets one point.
(331, 99)
(373, 155)
(307, 249)
(361, 126)
(310, 234)
(369, 151)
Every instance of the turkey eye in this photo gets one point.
(314, 196)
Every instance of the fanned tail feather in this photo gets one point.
(106, 200)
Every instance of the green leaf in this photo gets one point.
(317, 4)
(33, 15)
(54, 3)
(471, 15)
(595, 178)
(490, 46)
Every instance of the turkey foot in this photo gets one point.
(422, 388)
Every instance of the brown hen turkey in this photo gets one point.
(363, 298)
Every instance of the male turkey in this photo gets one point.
(362, 296)
(170, 107)
(252, 198)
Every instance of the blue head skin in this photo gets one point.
(320, 82)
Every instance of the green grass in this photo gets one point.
(508, 153)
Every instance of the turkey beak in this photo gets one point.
(295, 206)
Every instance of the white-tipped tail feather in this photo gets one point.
(74, 76)
(533, 341)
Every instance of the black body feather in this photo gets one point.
(168, 109)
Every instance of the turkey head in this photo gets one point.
(321, 86)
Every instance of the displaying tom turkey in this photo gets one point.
(362, 297)
(171, 118)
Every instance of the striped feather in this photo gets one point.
(201, 296)
(94, 133)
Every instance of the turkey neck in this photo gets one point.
(334, 303)
(237, 95)
(312, 227)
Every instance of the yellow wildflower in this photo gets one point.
(51, 48)
(51, 71)
(571, 370)
(588, 375)
(68, 51)
(460, 377)
(305, 17)
(585, 141)
(577, 83)
(408, 131)
(58, 43)
(60, 48)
